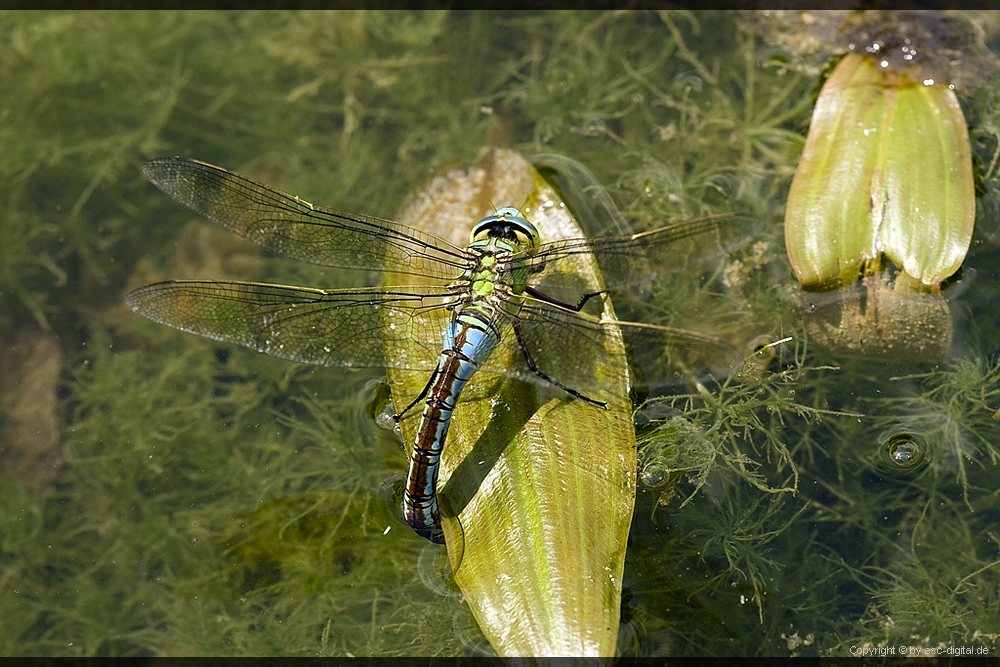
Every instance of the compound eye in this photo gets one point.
(481, 230)
(523, 231)
(526, 233)
(509, 223)
(524, 238)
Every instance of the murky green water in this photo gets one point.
(163, 494)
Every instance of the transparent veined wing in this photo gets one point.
(351, 327)
(573, 348)
(345, 327)
(645, 261)
(293, 227)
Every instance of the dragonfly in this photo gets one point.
(506, 289)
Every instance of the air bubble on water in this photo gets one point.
(654, 474)
(904, 453)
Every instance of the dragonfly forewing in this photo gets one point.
(647, 259)
(293, 227)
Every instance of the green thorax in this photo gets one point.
(499, 240)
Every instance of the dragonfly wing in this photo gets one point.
(591, 204)
(575, 349)
(295, 228)
(348, 327)
(664, 357)
(645, 259)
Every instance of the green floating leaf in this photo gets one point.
(540, 492)
(929, 200)
(886, 173)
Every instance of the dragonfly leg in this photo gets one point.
(551, 380)
(419, 399)
(542, 296)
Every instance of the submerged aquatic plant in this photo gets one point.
(870, 554)
(739, 428)
(736, 446)
(957, 413)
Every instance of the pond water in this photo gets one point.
(163, 494)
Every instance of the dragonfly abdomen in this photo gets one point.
(469, 341)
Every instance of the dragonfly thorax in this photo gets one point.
(507, 224)
(490, 270)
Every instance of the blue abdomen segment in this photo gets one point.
(469, 341)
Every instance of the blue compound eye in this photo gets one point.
(507, 223)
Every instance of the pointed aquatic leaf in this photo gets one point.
(828, 230)
(886, 174)
(537, 490)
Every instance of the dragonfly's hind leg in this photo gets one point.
(419, 399)
(533, 367)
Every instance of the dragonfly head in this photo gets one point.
(509, 224)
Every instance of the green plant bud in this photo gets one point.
(886, 172)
